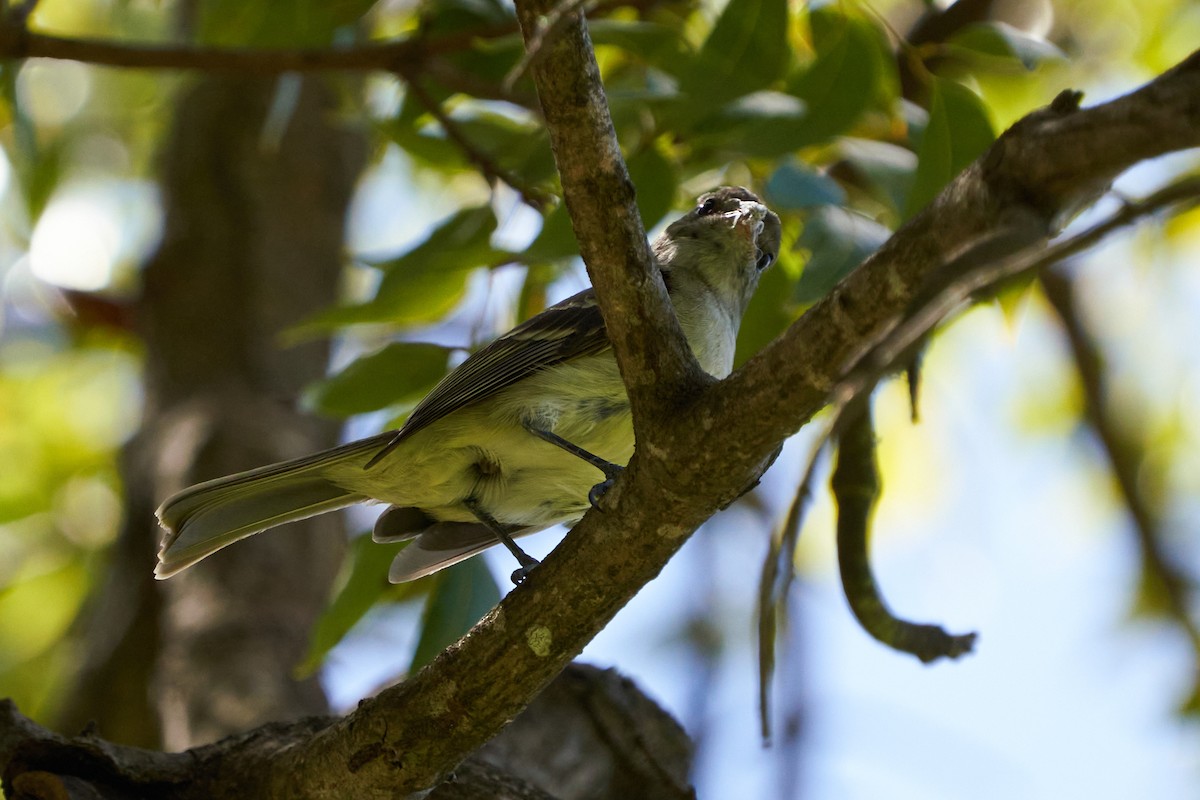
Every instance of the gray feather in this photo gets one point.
(204, 518)
(441, 545)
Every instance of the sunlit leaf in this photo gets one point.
(746, 51)
(659, 45)
(842, 82)
(958, 132)
(823, 100)
(1000, 41)
(427, 281)
(402, 372)
(460, 596)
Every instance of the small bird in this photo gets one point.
(526, 433)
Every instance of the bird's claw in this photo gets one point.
(599, 490)
(522, 572)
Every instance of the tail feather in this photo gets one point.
(204, 518)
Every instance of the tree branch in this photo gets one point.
(656, 363)
(1037, 176)
(1124, 456)
(492, 172)
(18, 43)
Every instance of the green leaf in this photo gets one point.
(796, 186)
(516, 146)
(661, 46)
(843, 80)
(429, 280)
(656, 179)
(461, 595)
(886, 169)
(839, 240)
(400, 373)
(822, 101)
(958, 132)
(365, 582)
(989, 41)
(746, 51)
(293, 24)
(556, 240)
(762, 125)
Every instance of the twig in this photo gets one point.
(493, 172)
(17, 43)
(1123, 456)
(856, 487)
(773, 585)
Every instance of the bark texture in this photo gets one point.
(257, 176)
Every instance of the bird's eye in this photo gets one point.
(709, 206)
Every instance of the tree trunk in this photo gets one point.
(256, 179)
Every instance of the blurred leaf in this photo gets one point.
(958, 132)
(515, 146)
(447, 16)
(758, 125)
(293, 24)
(822, 101)
(461, 595)
(660, 46)
(533, 290)
(656, 180)
(365, 582)
(37, 608)
(998, 40)
(426, 282)
(796, 186)
(37, 161)
(746, 51)
(887, 169)
(839, 240)
(842, 82)
(402, 372)
(1013, 297)
(556, 240)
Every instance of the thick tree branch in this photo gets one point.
(1035, 177)
(656, 364)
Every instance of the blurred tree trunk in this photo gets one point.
(257, 175)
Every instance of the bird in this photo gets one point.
(526, 433)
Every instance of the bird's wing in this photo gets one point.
(567, 330)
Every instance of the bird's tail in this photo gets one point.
(204, 518)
